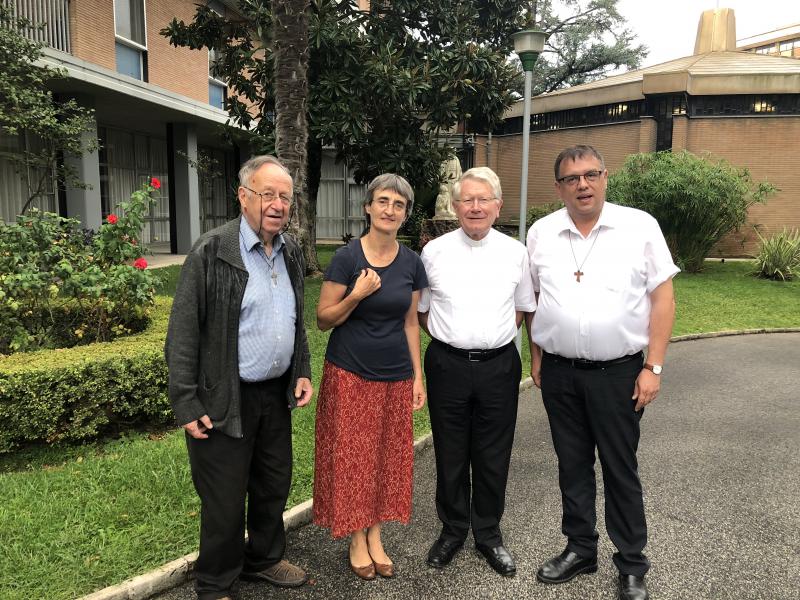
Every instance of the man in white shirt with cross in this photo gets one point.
(603, 278)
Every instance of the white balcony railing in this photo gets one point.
(53, 14)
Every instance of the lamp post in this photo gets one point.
(528, 44)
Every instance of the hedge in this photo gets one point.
(76, 394)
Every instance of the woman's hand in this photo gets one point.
(367, 283)
(419, 396)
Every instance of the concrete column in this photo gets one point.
(84, 203)
(680, 132)
(647, 134)
(184, 187)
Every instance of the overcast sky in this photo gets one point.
(669, 29)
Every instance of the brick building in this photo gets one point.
(158, 109)
(737, 105)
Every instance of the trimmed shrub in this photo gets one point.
(779, 256)
(696, 200)
(537, 211)
(76, 394)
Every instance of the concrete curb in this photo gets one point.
(178, 571)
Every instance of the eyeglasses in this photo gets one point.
(384, 203)
(572, 180)
(482, 202)
(269, 196)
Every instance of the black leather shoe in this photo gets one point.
(565, 566)
(499, 559)
(442, 552)
(632, 588)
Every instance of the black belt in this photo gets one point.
(473, 355)
(582, 363)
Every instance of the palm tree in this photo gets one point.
(290, 55)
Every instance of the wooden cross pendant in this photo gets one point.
(578, 274)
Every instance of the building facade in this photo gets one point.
(158, 113)
(740, 106)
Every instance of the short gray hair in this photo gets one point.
(393, 183)
(484, 174)
(573, 153)
(254, 164)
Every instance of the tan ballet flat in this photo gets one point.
(367, 572)
(384, 570)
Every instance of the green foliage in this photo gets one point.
(59, 289)
(27, 107)
(537, 211)
(75, 394)
(779, 256)
(696, 200)
(584, 46)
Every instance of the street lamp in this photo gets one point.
(528, 44)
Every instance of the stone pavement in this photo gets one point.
(720, 464)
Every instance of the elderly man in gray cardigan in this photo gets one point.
(238, 363)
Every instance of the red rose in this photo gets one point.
(155, 183)
(112, 218)
(140, 264)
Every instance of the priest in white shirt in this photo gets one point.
(603, 279)
(480, 289)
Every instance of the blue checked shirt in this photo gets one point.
(268, 313)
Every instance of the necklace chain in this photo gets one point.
(579, 268)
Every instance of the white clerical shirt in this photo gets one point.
(605, 315)
(476, 287)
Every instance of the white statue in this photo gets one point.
(451, 172)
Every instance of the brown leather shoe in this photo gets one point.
(281, 574)
(366, 572)
(384, 570)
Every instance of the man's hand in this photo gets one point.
(197, 429)
(646, 388)
(303, 391)
(536, 369)
(419, 395)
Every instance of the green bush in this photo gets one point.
(695, 200)
(779, 256)
(61, 286)
(76, 394)
(537, 211)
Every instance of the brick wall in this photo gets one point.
(615, 142)
(179, 70)
(91, 25)
(766, 146)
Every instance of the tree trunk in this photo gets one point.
(290, 35)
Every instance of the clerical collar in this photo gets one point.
(475, 243)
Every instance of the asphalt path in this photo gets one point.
(720, 464)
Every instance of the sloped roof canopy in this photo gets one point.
(721, 71)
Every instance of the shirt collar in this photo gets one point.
(607, 219)
(251, 239)
(475, 243)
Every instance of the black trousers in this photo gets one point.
(225, 470)
(588, 409)
(473, 408)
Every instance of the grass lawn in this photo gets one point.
(76, 519)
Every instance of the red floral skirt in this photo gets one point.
(364, 456)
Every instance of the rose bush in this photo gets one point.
(60, 287)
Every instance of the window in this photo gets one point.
(764, 49)
(131, 43)
(217, 88)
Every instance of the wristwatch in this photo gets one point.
(656, 369)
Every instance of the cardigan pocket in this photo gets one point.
(212, 399)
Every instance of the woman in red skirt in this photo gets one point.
(371, 381)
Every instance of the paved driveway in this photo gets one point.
(720, 464)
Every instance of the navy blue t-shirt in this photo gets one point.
(372, 342)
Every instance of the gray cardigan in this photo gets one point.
(203, 336)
